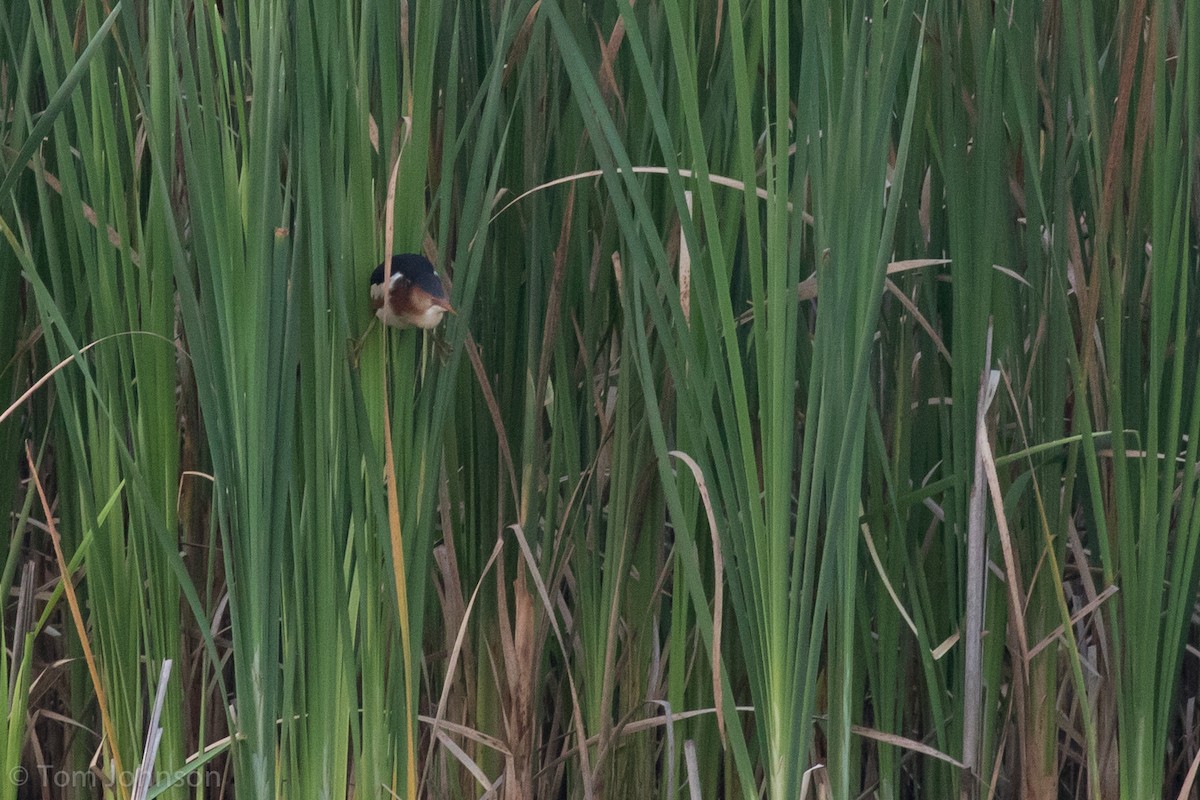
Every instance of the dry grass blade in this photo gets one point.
(911, 308)
(809, 778)
(141, 779)
(552, 616)
(650, 723)
(489, 398)
(719, 180)
(490, 742)
(1014, 582)
(396, 536)
(718, 582)
(554, 304)
(887, 583)
(456, 650)
(906, 743)
(976, 577)
(37, 166)
(1087, 609)
(520, 43)
(608, 54)
(40, 382)
(1185, 791)
(685, 266)
(518, 645)
(809, 290)
(693, 768)
(670, 745)
(22, 624)
(110, 732)
(464, 759)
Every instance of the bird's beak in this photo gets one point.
(444, 303)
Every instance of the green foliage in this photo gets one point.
(817, 418)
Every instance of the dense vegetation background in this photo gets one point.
(819, 418)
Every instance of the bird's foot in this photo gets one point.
(356, 345)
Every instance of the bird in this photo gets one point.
(414, 296)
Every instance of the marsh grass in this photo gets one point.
(817, 419)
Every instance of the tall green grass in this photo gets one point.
(816, 420)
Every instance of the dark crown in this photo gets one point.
(416, 269)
